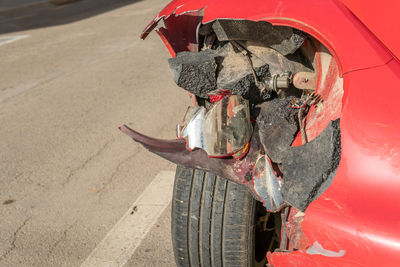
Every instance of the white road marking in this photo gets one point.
(9, 39)
(120, 243)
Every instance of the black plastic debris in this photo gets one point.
(309, 169)
(278, 126)
(204, 71)
(195, 71)
(230, 69)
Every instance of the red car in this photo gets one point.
(290, 155)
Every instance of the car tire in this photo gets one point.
(213, 221)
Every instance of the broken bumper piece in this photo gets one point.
(210, 140)
(238, 171)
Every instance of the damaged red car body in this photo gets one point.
(356, 220)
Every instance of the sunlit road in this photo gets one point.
(67, 174)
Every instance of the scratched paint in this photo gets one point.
(317, 249)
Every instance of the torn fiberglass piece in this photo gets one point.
(222, 131)
(195, 71)
(179, 32)
(306, 170)
(277, 123)
(309, 169)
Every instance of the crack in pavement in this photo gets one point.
(13, 246)
(63, 236)
(83, 165)
(117, 169)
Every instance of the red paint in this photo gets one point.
(360, 211)
(382, 18)
(166, 43)
(329, 87)
(219, 95)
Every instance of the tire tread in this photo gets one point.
(211, 221)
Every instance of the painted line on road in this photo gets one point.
(9, 39)
(120, 243)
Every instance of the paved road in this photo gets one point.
(67, 175)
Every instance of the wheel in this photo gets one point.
(215, 222)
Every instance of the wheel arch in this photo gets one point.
(349, 41)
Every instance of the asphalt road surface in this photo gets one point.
(74, 190)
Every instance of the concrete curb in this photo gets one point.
(62, 2)
(12, 9)
(38, 4)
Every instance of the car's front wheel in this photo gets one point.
(216, 222)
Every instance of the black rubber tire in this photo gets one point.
(212, 221)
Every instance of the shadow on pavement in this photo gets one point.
(47, 14)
